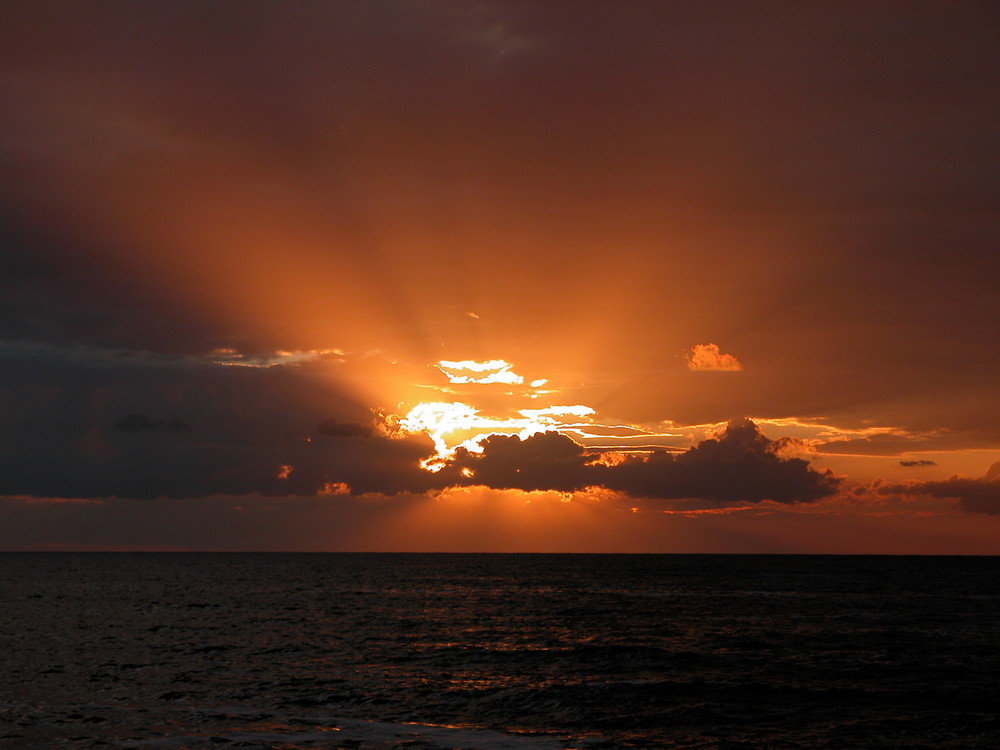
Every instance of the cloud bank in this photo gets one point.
(740, 465)
(977, 495)
(114, 424)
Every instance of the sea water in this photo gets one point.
(378, 651)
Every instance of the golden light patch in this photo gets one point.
(610, 458)
(710, 357)
(454, 424)
(335, 488)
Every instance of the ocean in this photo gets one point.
(497, 652)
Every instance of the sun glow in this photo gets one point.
(453, 424)
(496, 371)
(456, 425)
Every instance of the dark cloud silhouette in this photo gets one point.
(66, 438)
(980, 495)
(918, 462)
(741, 465)
(545, 461)
(333, 428)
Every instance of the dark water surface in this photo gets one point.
(488, 651)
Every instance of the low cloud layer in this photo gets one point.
(106, 423)
(113, 424)
(741, 465)
(979, 495)
(333, 428)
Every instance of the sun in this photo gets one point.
(460, 423)
(454, 425)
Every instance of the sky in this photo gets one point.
(500, 276)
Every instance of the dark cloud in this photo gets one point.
(66, 438)
(545, 461)
(333, 428)
(741, 465)
(980, 495)
(919, 462)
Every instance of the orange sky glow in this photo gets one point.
(500, 277)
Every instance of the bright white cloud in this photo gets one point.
(490, 371)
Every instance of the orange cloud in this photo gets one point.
(708, 357)
(335, 488)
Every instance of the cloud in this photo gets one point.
(980, 495)
(544, 461)
(709, 357)
(741, 465)
(919, 462)
(333, 428)
(65, 435)
(258, 435)
(496, 371)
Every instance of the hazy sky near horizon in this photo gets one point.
(690, 276)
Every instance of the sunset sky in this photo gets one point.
(500, 276)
